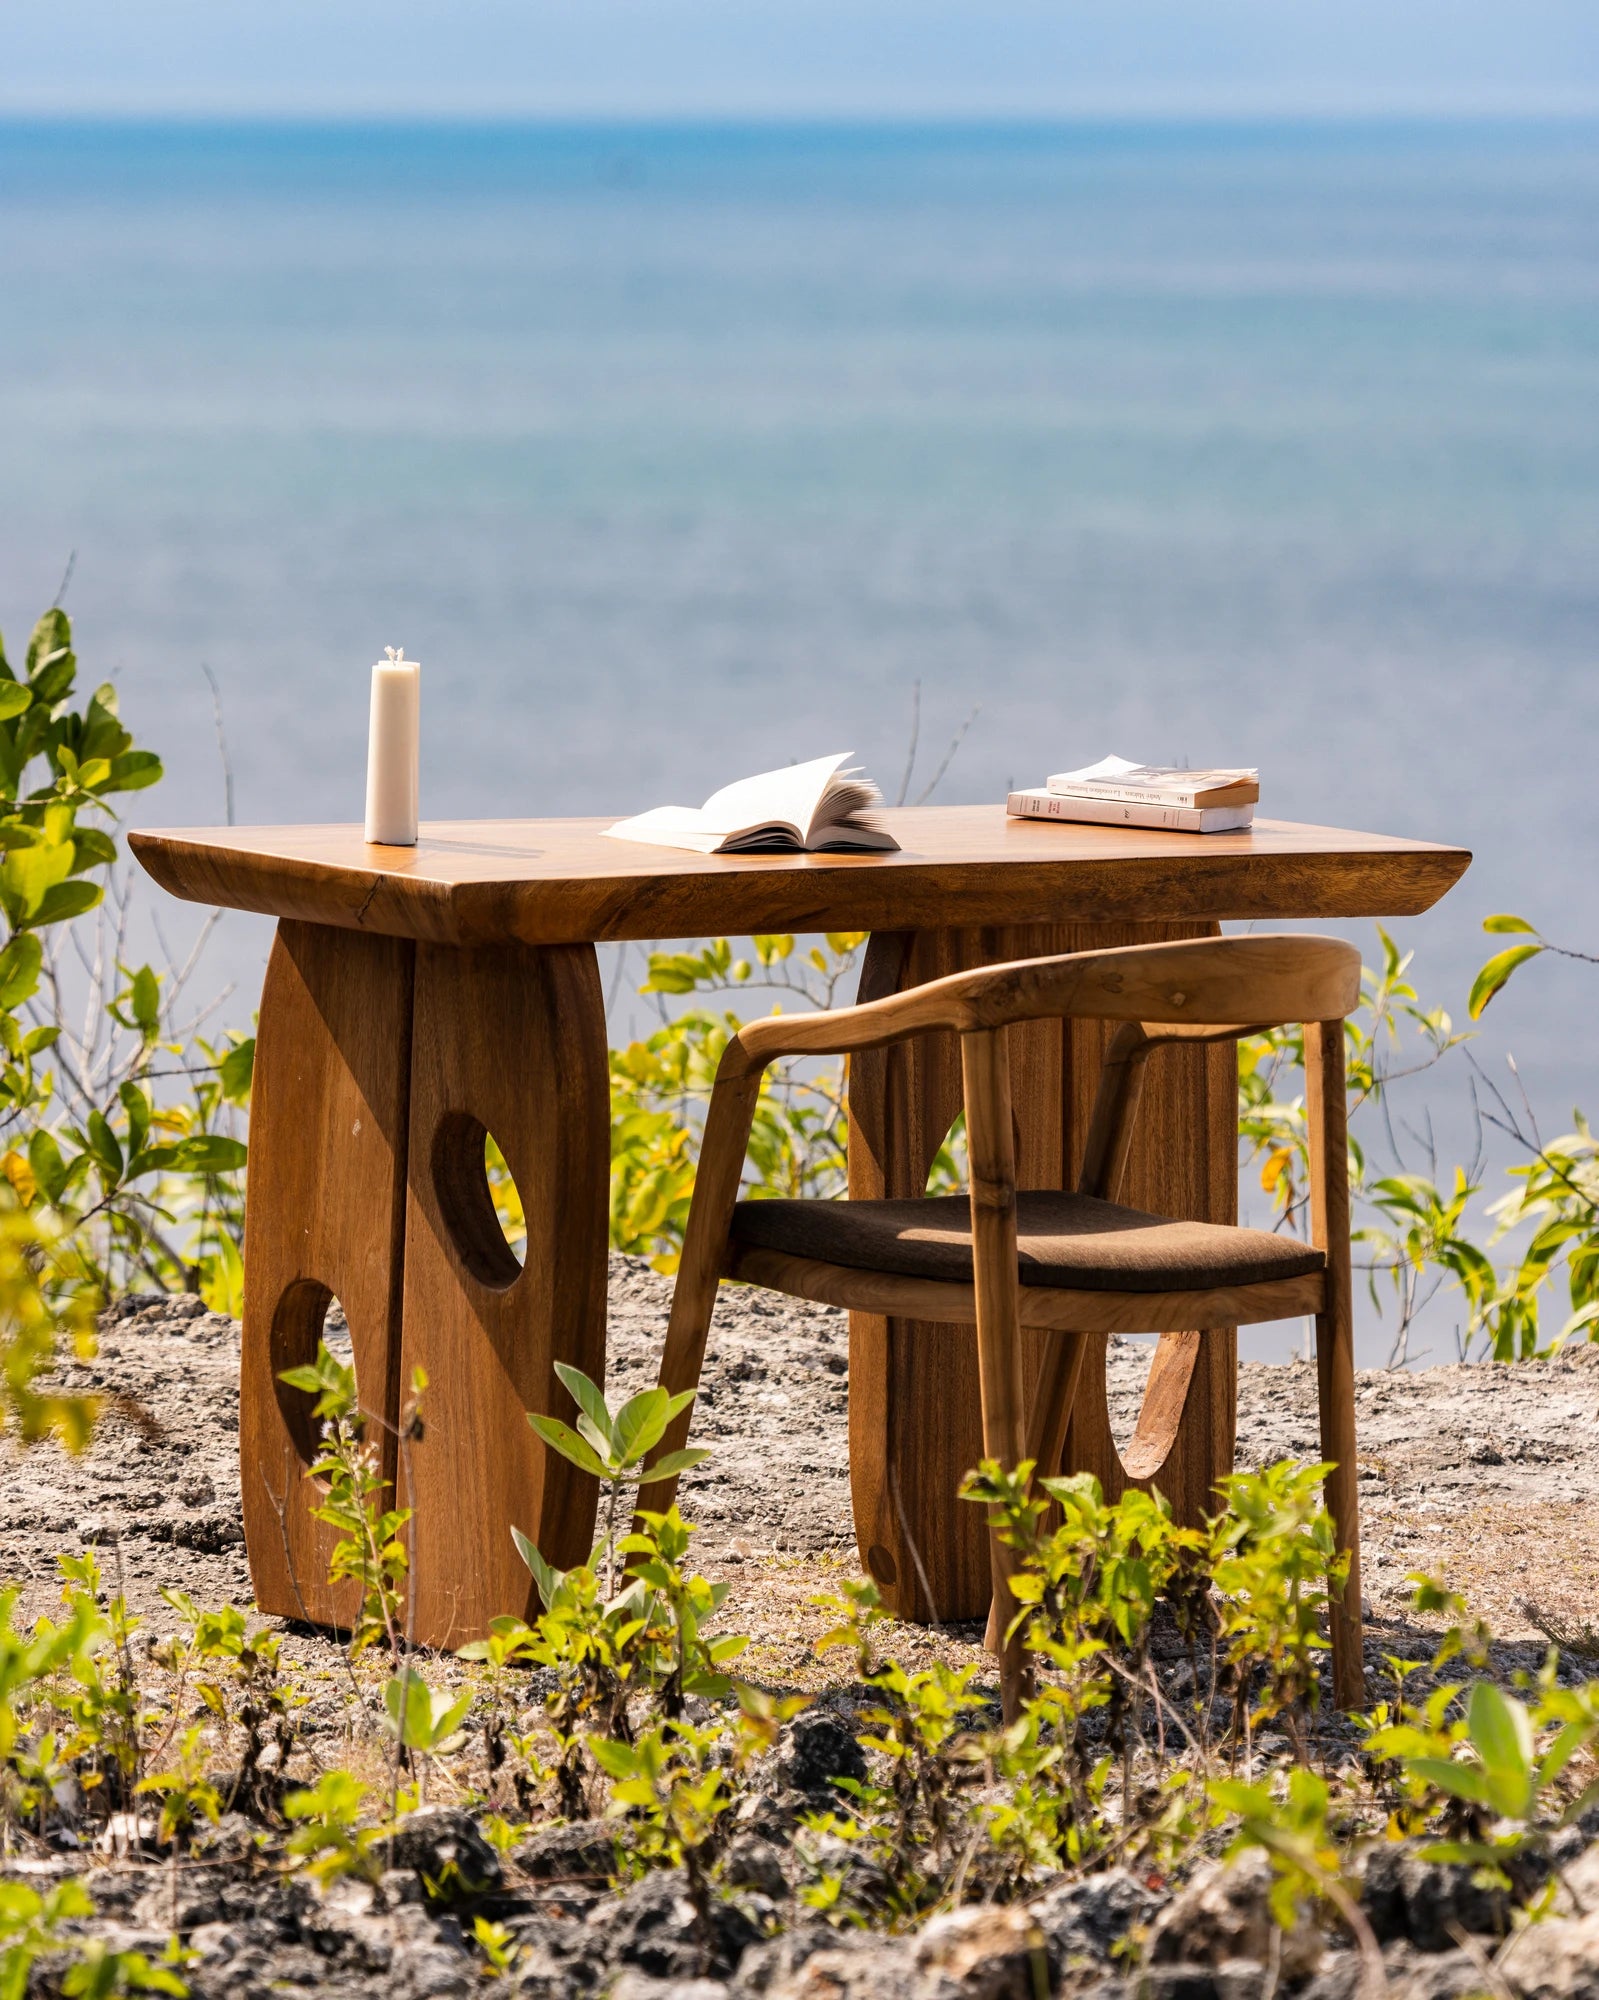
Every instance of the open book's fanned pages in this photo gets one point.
(818, 807)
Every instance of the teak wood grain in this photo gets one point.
(913, 1405)
(510, 1040)
(562, 881)
(1002, 1403)
(324, 1218)
(1196, 992)
(1048, 1308)
(1326, 1111)
(332, 1127)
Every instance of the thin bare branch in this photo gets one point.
(949, 757)
(910, 753)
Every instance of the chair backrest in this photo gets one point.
(1261, 980)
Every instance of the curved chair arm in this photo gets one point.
(1183, 990)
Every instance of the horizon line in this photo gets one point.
(1569, 108)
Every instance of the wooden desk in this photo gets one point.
(418, 996)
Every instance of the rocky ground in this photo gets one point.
(1489, 1476)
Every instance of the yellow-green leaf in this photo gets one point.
(1494, 974)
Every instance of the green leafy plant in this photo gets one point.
(1506, 1782)
(610, 1445)
(328, 1839)
(370, 1551)
(262, 1704)
(34, 1925)
(426, 1721)
(186, 1793)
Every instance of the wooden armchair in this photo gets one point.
(1075, 1264)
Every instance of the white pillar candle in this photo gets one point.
(393, 750)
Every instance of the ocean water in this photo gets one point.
(677, 452)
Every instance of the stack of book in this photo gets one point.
(1114, 792)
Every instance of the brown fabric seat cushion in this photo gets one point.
(1069, 1241)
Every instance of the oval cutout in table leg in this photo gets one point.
(462, 1149)
(297, 1324)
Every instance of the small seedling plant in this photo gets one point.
(611, 1446)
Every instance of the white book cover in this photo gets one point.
(1124, 812)
(817, 807)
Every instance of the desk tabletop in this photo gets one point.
(562, 881)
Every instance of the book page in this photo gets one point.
(668, 826)
(788, 797)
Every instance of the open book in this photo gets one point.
(817, 807)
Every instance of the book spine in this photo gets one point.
(1106, 812)
(1165, 795)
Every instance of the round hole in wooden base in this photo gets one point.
(297, 1326)
(464, 1158)
(881, 1564)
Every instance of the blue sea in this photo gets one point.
(677, 451)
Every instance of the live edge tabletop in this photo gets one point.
(419, 998)
(562, 881)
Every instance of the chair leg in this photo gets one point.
(1336, 1396)
(699, 1271)
(985, 1072)
(1335, 1339)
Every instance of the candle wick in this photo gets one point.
(397, 655)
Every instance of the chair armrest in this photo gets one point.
(839, 1031)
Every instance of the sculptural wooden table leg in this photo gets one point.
(380, 1064)
(510, 1039)
(914, 1408)
(324, 1217)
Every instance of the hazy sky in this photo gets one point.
(575, 57)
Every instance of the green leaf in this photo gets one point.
(409, 1701)
(104, 1145)
(49, 1168)
(578, 1451)
(144, 1000)
(27, 873)
(589, 1399)
(211, 1153)
(616, 1760)
(639, 1424)
(1461, 1781)
(20, 962)
(14, 698)
(1494, 974)
(547, 1580)
(675, 1462)
(236, 1072)
(51, 666)
(65, 901)
(671, 972)
(1572, 1738)
(1508, 923)
(132, 772)
(1501, 1733)
(91, 849)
